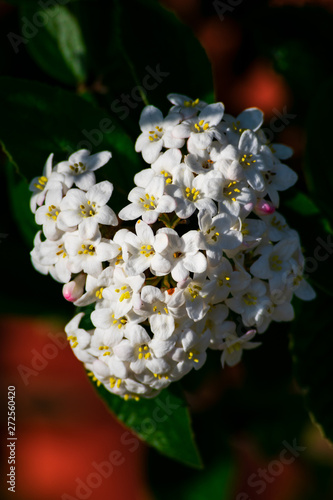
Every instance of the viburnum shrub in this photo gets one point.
(200, 258)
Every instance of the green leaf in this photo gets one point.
(312, 346)
(37, 119)
(163, 422)
(55, 41)
(215, 483)
(301, 204)
(318, 161)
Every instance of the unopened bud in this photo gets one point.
(73, 290)
(264, 207)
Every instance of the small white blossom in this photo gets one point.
(227, 280)
(275, 263)
(51, 257)
(250, 303)
(194, 193)
(87, 208)
(279, 177)
(79, 339)
(156, 133)
(47, 215)
(80, 166)
(40, 185)
(216, 234)
(201, 130)
(178, 255)
(249, 119)
(137, 350)
(123, 291)
(140, 247)
(87, 250)
(165, 165)
(233, 347)
(185, 105)
(251, 162)
(148, 202)
(161, 309)
(197, 293)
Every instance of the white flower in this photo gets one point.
(87, 208)
(296, 282)
(123, 291)
(185, 105)
(156, 133)
(194, 193)
(148, 202)
(47, 215)
(192, 350)
(249, 119)
(178, 255)
(141, 249)
(226, 280)
(204, 160)
(276, 311)
(157, 381)
(233, 347)
(278, 177)
(87, 250)
(40, 185)
(279, 151)
(235, 196)
(216, 234)
(79, 339)
(251, 303)
(134, 390)
(166, 164)
(201, 130)
(219, 328)
(51, 257)
(138, 351)
(197, 293)
(122, 256)
(35, 255)
(251, 232)
(275, 263)
(160, 309)
(95, 286)
(102, 346)
(251, 162)
(105, 318)
(276, 226)
(80, 166)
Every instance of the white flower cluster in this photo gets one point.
(202, 257)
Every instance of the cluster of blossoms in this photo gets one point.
(200, 258)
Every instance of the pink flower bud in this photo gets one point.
(73, 290)
(264, 207)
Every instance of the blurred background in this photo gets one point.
(275, 55)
